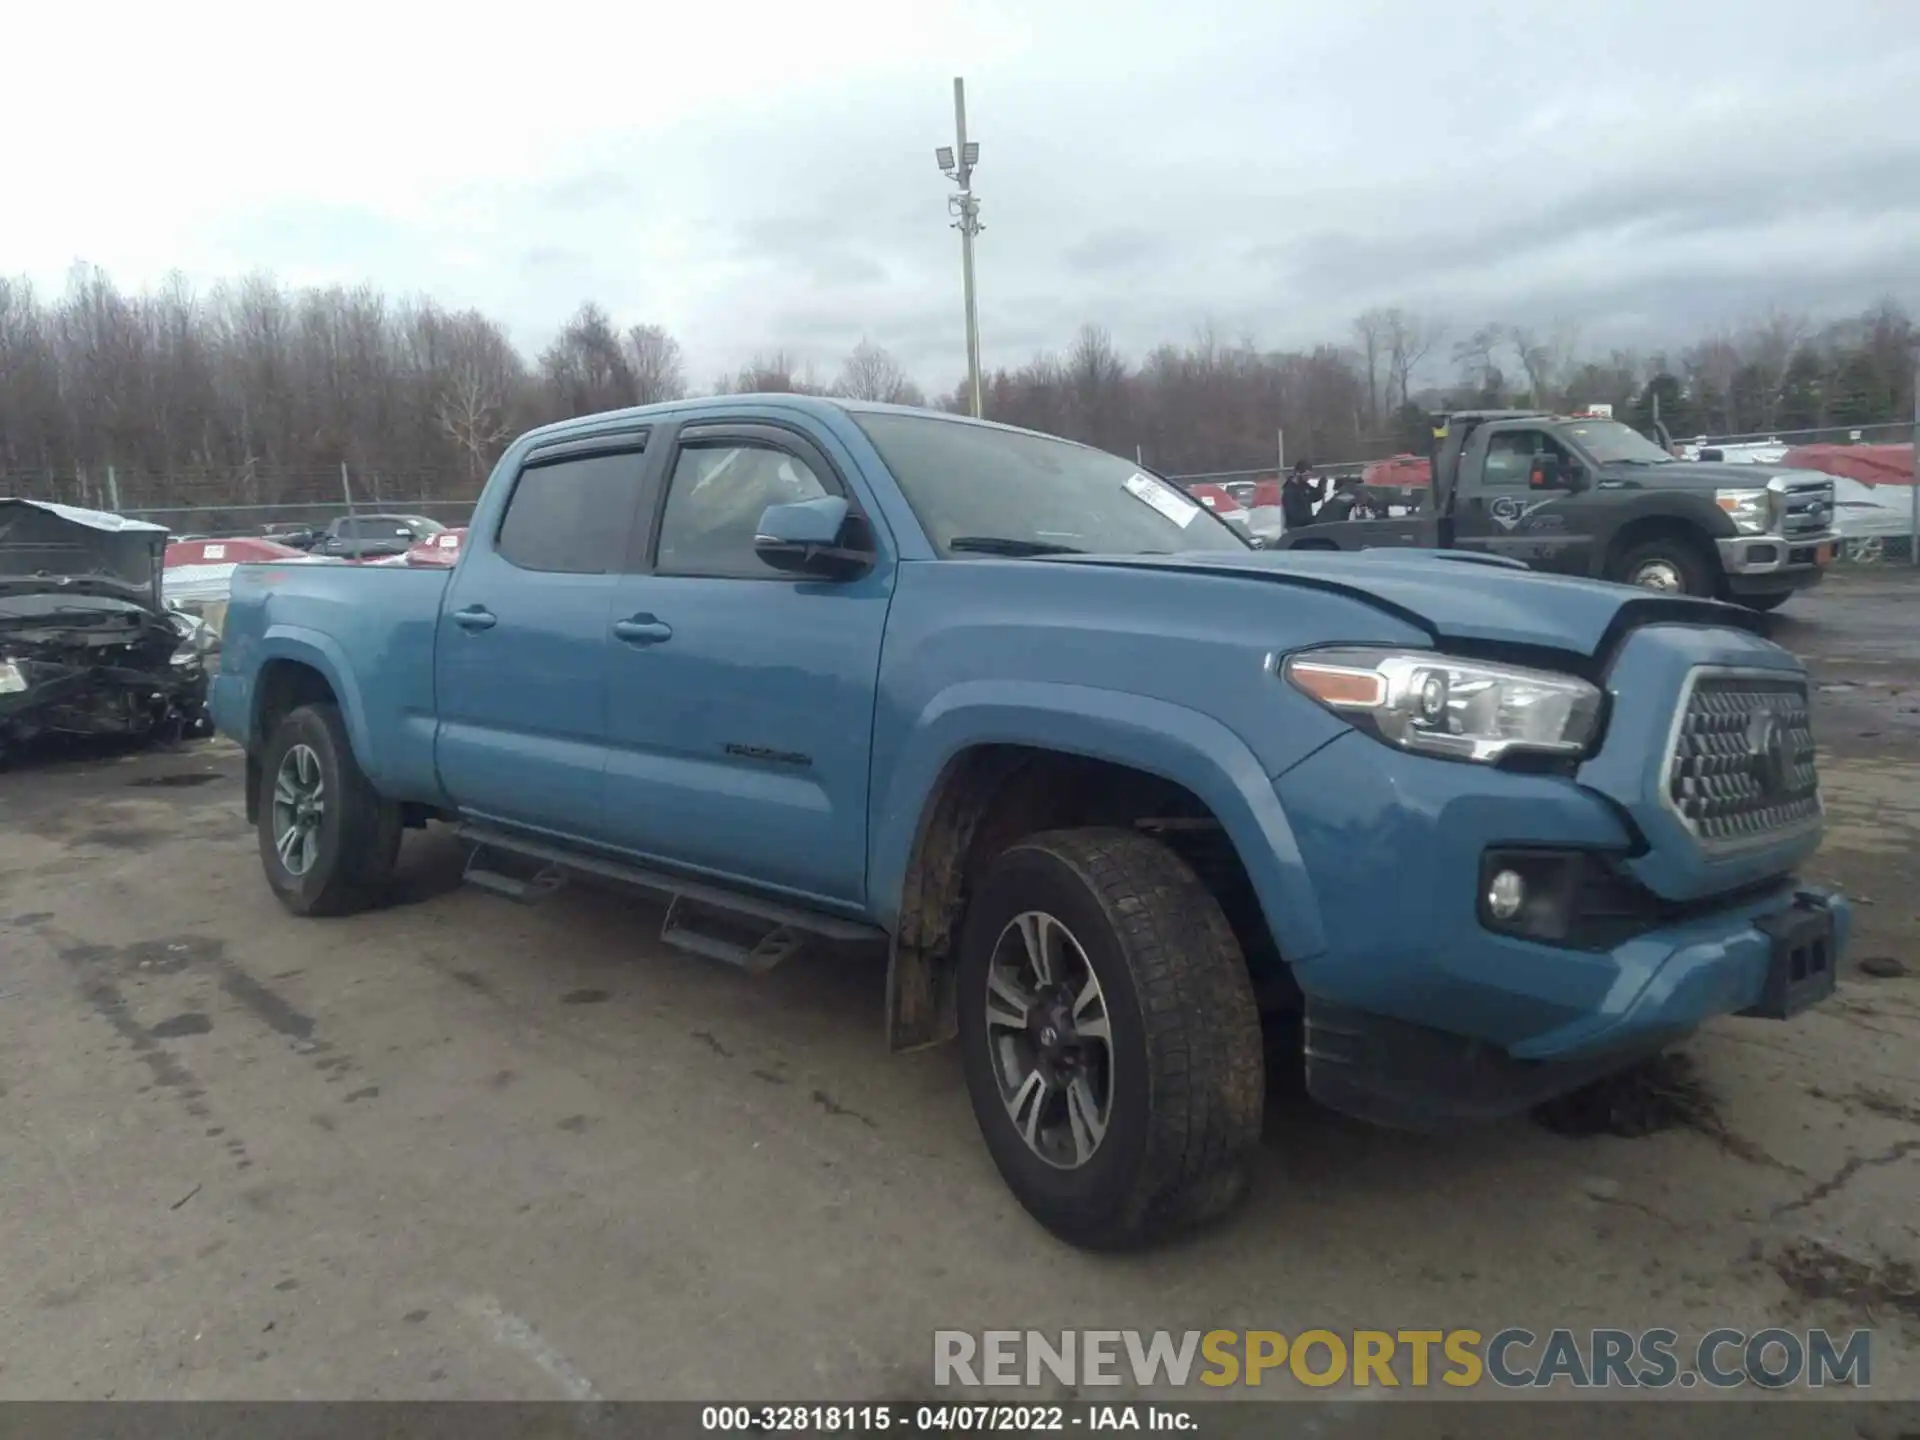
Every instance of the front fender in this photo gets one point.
(1155, 736)
(322, 653)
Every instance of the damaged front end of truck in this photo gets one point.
(87, 646)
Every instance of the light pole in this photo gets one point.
(957, 164)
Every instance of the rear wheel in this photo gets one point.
(1110, 1039)
(1668, 565)
(328, 841)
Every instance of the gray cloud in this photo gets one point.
(1646, 171)
(1123, 249)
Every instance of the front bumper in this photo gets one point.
(1799, 559)
(1471, 1021)
(79, 699)
(1399, 1072)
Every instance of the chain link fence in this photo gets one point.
(221, 503)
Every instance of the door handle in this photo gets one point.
(475, 617)
(642, 630)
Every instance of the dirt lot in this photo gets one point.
(463, 1148)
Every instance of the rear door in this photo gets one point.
(740, 699)
(520, 659)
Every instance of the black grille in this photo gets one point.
(1743, 767)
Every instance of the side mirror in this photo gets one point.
(810, 538)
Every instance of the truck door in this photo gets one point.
(520, 659)
(741, 699)
(1500, 510)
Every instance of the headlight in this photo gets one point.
(12, 679)
(1460, 709)
(1750, 509)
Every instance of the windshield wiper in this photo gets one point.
(1006, 545)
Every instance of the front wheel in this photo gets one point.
(328, 841)
(1110, 1039)
(1669, 566)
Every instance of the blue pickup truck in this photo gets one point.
(1125, 797)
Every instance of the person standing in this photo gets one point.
(1299, 495)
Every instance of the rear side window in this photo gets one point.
(570, 517)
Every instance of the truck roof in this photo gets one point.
(819, 406)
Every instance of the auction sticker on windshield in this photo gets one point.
(1162, 497)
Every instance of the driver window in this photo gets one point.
(1510, 456)
(1569, 462)
(714, 504)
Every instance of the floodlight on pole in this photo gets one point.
(956, 163)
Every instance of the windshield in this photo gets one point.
(980, 485)
(1612, 443)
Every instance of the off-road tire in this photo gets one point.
(1188, 1063)
(1696, 573)
(1764, 603)
(359, 831)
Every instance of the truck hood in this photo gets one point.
(1457, 596)
(1697, 475)
(62, 549)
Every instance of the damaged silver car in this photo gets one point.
(87, 645)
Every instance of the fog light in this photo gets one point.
(1506, 893)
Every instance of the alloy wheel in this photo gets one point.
(1050, 1040)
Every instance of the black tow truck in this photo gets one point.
(1588, 495)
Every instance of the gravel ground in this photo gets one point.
(463, 1148)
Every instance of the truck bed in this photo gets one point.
(1416, 531)
(370, 630)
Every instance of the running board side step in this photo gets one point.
(750, 931)
(530, 890)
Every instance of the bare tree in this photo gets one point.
(1475, 357)
(1097, 380)
(1409, 339)
(871, 373)
(1769, 347)
(251, 392)
(1544, 357)
(1371, 330)
(775, 372)
(586, 369)
(473, 413)
(658, 371)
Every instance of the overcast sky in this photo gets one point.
(757, 174)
